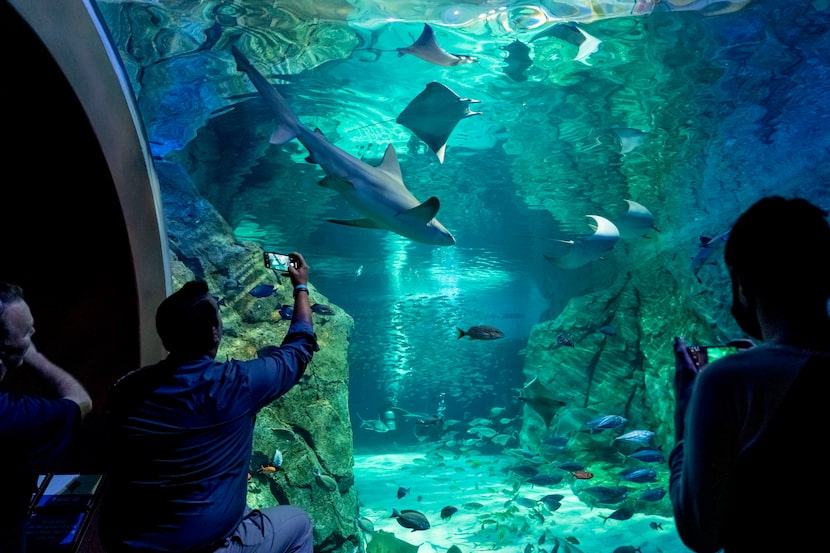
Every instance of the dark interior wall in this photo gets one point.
(64, 238)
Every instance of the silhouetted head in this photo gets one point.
(778, 252)
(16, 327)
(188, 321)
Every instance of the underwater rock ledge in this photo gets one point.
(307, 431)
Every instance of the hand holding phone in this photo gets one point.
(278, 261)
(703, 355)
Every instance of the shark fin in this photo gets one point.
(333, 183)
(426, 211)
(282, 134)
(365, 223)
(390, 163)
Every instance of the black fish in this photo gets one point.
(481, 332)
(544, 479)
(623, 513)
(403, 491)
(409, 518)
(322, 309)
(448, 512)
(262, 290)
(605, 494)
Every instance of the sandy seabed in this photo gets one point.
(494, 513)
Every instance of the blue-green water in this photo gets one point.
(721, 108)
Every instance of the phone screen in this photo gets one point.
(703, 355)
(277, 261)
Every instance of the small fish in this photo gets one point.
(528, 548)
(623, 513)
(544, 479)
(482, 332)
(655, 494)
(322, 309)
(582, 474)
(409, 518)
(325, 481)
(572, 539)
(262, 290)
(708, 246)
(419, 498)
(640, 476)
(403, 491)
(277, 461)
(454, 549)
(447, 512)
(636, 437)
(608, 330)
(627, 549)
(358, 272)
(570, 466)
(286, 312)
(606, 422)
(474, 505)
(365, 524)
(648, 455)
(267, 468)
(655, 526)
(564, 340)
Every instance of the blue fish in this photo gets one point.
(605, 422)
(262, 290)
(639, 476)
(655, 494)
(286, 312)
(544, 479)
(649, 455)
(322, 309)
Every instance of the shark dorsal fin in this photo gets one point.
(426, 211)
(390, 163)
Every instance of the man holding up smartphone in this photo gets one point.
(181, 432)
(745, 421)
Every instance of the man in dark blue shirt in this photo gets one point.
(181, 436)
(36, 430)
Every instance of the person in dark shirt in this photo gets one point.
(747, 469)
(181, 432)
(37, 430)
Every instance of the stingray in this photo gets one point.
(629, 138)
(636, 221)
(428, 49)
(433, 114)
(572, 34)
(590, 248)
(518, 60)
(541, 400)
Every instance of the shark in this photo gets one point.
(376, 192)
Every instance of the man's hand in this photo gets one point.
(685, 374)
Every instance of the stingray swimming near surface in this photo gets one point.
(427, 48)
(518, 60)
(541, 399)
(433, 114)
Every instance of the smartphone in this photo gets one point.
(277, 261)
(703, 355)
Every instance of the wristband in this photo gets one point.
(300, 288)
